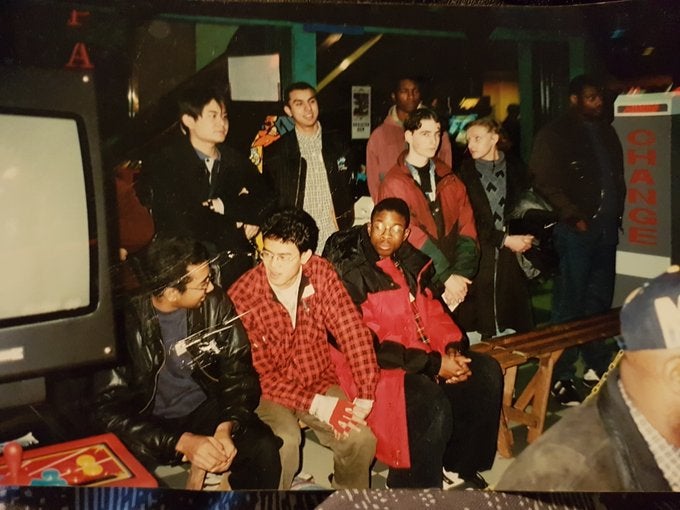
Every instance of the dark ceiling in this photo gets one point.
(631, 36)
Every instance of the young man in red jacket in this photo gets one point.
(442, 221)
(435, 406)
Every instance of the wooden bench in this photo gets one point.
(544, 345)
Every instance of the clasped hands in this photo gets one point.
(519, 243)
(211, 453)
(456, 287)
(342, 415)
(455, 367)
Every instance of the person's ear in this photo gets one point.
(288, 111)
(573, 100)
(368, 227)
(171, 294)
(393, 96)
(188, 121)
(408, 136)
(407, 231)
(671, 373)
(495, 137)
(305, 256)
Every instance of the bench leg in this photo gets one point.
(505, 439)
(539, 404)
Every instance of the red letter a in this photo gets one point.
(79, 57)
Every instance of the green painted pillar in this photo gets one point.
(303, 55)
(526, 96)
(211, 41)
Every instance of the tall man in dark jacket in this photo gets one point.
(312, 169)
(201, 188)
(188, 389)
(577, 163)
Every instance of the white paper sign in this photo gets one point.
(254, 78)
(361, 112)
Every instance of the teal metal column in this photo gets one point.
(526, 96)
(303, 55)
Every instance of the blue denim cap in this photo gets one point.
(650, 316)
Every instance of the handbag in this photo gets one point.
(533, 215)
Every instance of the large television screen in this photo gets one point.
(44, 226)
(56, 306)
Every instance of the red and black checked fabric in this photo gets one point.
(294, 364)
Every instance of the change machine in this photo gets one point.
(648, 126)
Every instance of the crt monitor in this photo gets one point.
(56, 309)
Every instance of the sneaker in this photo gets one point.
(474, 481)
(565, 393)
(450, 480)
(591, 378)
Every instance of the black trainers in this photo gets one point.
(474, 481)
(565, 393)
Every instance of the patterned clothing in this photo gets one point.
(295, 363)
(492, 175)
(499, 297)
(286, 170)
(318, 201)
(667, 456)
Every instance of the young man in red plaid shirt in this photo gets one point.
(290, 303)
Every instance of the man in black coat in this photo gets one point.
(577, 163)
(187, 389)
(310, 168)
(201, 188)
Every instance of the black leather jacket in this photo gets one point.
(124, 396)
(286, 171)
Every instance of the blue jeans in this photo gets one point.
(583, 287)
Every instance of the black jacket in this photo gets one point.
(354, 258)
(175, 182)
(565, 167)
(499, 291)
(124, 396)
(286, 172)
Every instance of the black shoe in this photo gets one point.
(565, 393)
(474, 481)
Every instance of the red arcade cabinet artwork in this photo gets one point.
(94, 461)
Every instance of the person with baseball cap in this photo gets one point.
(627, 436)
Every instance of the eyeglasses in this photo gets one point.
(379, 228)
(283, 258)
(205, 285)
